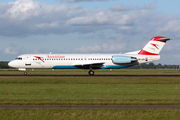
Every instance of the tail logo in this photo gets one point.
(155, 45)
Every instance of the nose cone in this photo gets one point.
(12, 64)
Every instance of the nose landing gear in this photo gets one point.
(25, 73)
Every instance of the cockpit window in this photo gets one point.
(19, 58)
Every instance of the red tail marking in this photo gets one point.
(143, 52)
(155, 45)
(158, 37)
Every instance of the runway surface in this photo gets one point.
(91, 76)
(93, 106)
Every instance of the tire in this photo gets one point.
(91, 72)
(25, 73)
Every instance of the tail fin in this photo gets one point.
(154, 46)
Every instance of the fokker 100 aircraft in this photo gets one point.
(149, 53)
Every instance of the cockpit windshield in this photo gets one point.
(19, 58)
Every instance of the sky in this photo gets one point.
(88, 26)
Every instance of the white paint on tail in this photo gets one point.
(154, 46)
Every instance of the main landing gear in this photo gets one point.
(91, 72)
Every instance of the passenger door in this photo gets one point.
(28, 60)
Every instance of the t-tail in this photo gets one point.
(154, 46)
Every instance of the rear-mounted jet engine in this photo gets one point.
(124, 60)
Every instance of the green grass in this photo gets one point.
(97, 72)
(89, 80)
(90, 90)
(90, 114)
(80, 94)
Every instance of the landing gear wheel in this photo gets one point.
(25, 73)
(91, 72)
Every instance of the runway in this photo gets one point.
(92, 106)
(20, 75)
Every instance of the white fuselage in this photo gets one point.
(76, 61)
(149, 53)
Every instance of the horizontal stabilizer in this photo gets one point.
(164, 39)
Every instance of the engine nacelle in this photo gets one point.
(124, 60)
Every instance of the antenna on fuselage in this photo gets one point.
(50, 53)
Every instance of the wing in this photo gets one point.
(88, 65)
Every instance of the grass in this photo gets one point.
(90, 114)
(89, 80)
(97, 72)
(89, 91)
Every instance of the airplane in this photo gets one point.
(92, 62)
